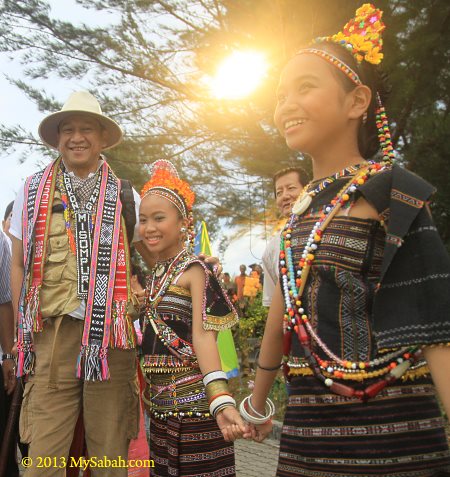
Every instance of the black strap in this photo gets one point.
(128, 207)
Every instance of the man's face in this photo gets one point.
(80, 142)
(287, 189)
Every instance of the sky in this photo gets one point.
(17, 109)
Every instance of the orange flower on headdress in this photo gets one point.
(165, 175)
(361, 36)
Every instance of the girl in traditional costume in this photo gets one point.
(364, 282)
(193, 415)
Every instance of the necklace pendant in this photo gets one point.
(302, 204)
(160, 269)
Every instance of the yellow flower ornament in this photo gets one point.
(361, 36)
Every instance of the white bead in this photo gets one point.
(328, 382)
(330, 369)
(314, 246)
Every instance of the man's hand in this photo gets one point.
(139, 298)
(213, 261)
(9, 375)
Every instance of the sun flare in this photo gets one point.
(239, 75)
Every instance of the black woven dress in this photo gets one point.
(401, 431)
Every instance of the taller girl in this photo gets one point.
(364, 281)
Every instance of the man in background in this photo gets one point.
(7, 371)
(287, 186)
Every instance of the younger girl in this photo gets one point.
(185, 306)
(364, 282)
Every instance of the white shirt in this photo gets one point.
(270, 267)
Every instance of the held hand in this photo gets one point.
(261, 431)
(213, 261)
(231, 424)
(9, 375)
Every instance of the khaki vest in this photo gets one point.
(58, 295)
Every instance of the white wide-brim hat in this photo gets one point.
(79, 102)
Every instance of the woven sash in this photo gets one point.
(108, 290)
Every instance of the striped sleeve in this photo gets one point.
(5, 270)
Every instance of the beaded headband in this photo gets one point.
(361, 37)
(165, 182)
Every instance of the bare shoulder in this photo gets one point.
(193, 277)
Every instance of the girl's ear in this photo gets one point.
(359, 99)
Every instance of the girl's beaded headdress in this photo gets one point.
(165, 182)
(361, 37)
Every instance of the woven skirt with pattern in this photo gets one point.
(190, 447)
(399, 433)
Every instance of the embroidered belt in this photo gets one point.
(175, 401)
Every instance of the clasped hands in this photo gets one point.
(234, 427)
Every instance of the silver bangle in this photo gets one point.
(213, 376)
(253, 419)
(220, 401)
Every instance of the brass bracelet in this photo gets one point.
(216, 387)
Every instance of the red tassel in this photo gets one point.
(303, 335)
(287, 343)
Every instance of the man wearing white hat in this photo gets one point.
(70, 279)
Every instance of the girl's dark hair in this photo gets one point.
(371, 76)
(137, 270)
(8, 210)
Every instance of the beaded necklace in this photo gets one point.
(161, 277)
(306, 197)
(293, 284)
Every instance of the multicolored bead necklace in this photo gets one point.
(305, 199)
(293, 284)
(160, 280)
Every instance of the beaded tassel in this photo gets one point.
(384, 135)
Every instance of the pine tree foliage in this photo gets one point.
(148, 64)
